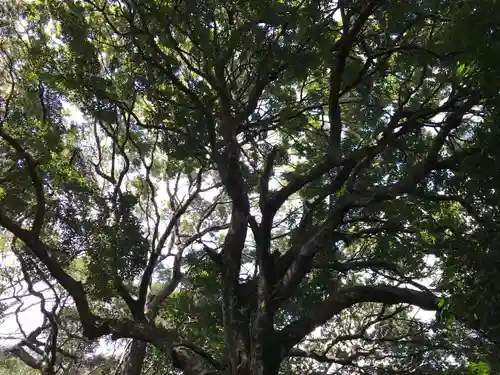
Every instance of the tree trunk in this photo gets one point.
(135, 358)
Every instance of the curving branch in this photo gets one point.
(31, 164)
(153, 259)
(350, 296)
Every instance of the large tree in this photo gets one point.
(241, 187)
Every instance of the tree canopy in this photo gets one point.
(250, 187)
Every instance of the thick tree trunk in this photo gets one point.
(135, 358)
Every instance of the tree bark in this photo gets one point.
(135, 358)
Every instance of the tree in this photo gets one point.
(247, 176)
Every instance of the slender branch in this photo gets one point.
(153, 259)
(168, 288)
(377, 264)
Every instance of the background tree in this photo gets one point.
(254, 187)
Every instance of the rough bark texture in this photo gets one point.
(135, 358)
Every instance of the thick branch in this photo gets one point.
(343, 47)
(29, 360)
(40, 250)
(266, 176)
(37, 182)
(302, 260)
(347, 297)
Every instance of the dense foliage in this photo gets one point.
(251, 187)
